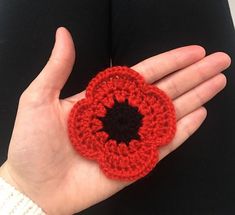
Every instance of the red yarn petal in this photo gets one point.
(128, 162)
(159, 122)
(119, 91)
(83, 129)
(107, 82)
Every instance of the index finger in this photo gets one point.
(158, 66)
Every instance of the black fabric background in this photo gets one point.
(198, 178)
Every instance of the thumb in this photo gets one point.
(54, 75)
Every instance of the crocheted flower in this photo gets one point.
(121, 123)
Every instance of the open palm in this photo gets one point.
(41, 161)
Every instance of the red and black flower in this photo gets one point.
(121, 123)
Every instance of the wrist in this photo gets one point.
(38, 193)
(12, 200)
(7, 177)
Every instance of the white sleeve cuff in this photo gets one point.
(15, 203)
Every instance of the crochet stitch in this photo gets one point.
(121, 123)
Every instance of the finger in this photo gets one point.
(198, 96)
(160, 65)
(57, 70)
(154, 68)
(182, 81)
(185, 128)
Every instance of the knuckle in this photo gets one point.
(199, 98)
(174, 88)
(188, 131)
(59, 62)
(29, 98)
(171, 148)
(149, 69)
(176, 60)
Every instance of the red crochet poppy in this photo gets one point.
(121, 123)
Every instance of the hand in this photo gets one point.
(41, 161)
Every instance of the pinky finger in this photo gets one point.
(186, 126)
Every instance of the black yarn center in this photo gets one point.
(122, 122)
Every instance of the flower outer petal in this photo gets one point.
(159, 122)
(128, 163)
(83, 129)
(127, 92)
(117, 76)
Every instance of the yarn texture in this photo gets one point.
(121, 123)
